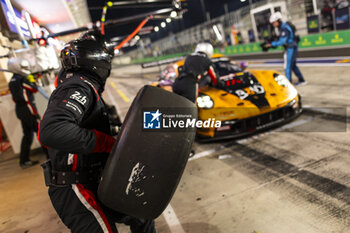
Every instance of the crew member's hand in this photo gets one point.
(104, 142)
(268, 45)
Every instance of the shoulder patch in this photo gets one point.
(79, 97)
(72, 106)
(75, 100)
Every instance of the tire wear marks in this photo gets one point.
(343, 118)
(292, 190)
(320, 183)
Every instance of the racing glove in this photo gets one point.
(104, 142)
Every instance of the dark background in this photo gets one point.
(193, 16)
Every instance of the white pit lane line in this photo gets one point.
(294, 124)
(172, 220)
(206, 153)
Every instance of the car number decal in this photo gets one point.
(241, 94)
(255, 89)
(258, 89)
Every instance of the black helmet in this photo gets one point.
(87, 54)
(97, 36)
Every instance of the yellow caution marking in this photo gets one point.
(113, 85)
(124, 97)
(343, 61)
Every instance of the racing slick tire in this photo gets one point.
(145, 166)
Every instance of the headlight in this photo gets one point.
(204, 101)
(281, 80)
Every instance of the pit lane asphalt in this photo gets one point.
(291, 179)
(294, 178)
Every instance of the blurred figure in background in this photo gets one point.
(22, 87)
(342, 4)
(289, 41)
(327, 18)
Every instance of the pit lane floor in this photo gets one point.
(291, 179)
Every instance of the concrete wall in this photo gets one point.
(8, 116)
(5, 76)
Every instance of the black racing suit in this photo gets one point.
(22, 94)
(195, 67)
(76, 129)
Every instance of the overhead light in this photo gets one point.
(173, 14)
(177, 5)
(243, 0)
(168, 20)
(163, 24)
(156, 28)
(137, 37)
(42, 42)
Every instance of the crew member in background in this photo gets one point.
(77, 130)
(289, 40)
(22, 87)
(197, 65)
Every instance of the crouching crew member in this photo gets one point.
(77, 131)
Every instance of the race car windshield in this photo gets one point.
(224, 68)
(168, 73)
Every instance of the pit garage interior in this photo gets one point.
(290, 178)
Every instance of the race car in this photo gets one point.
(244, 101)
